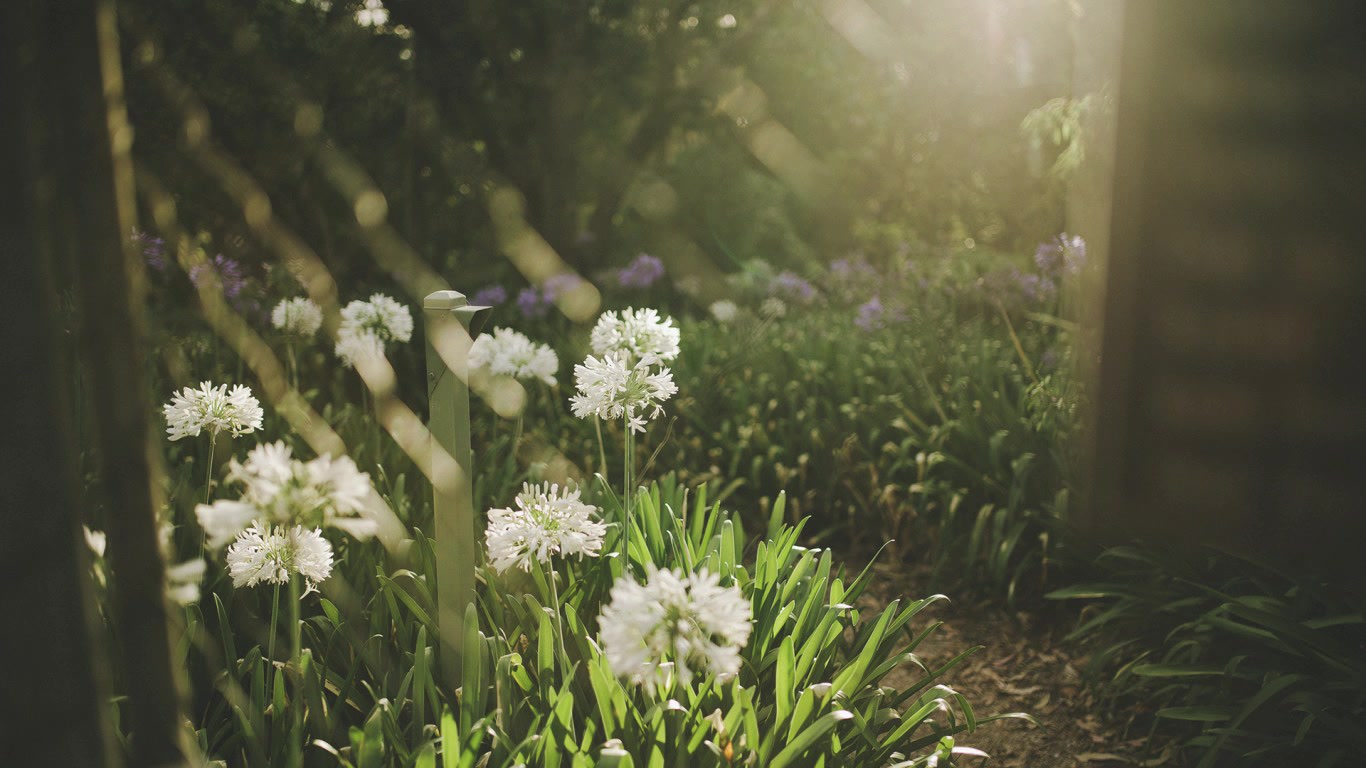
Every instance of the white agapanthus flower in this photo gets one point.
(773, 307)
(366, 326)
(381, 315)
(298, 317)
(506, 352)
(96, 540)
(182, 579)
(361, 345)
(212, 409)
(282, 490)
(546, 522)
(610, 389)
(269, 554)
(724, 310)
(689, 624)
(641, 334)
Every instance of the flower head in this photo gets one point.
(489, 296)
(153, 249)
(610, 389)
(1063, 254)
(871, 314)
(211, 408)
(546, 522)
(531, 304)
(689, 620)
(362, 345)
(279, 489)
(298, 317)
(792, 287)
(270, 554)
(225, 269)
(506, 352)
(643, 272)
(724, 311)
(381, 316)
(558, 285)
(640, 334)
(773, 308)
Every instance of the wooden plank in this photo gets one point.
(1232, 394)
(449, 321)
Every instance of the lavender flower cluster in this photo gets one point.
(643, 272)
(531, 302)
(226, 269)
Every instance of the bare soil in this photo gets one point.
(1025, 666)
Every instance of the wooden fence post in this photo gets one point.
(450, 324)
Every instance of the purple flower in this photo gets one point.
(871, 315)
(153, 250)
(1034, 287)
(642, 273)
(792, 287)
(530, 303)
(489, 296)
(1064, 253)
(557, 285)
(227, 270)
(851, 273)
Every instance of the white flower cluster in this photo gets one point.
(298, 317)
(182, 579)
(506, 352)
(619, 380)
(724, 310)
(278, 520)
(366, 326)
(641, 334)
(215, 409)
(691, 622)
(270, 554)
(546, 522)
(280, 489)
(609, 389)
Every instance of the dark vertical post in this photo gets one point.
(1232, 394)
(96, 178)
(448, 325)
(52, 703)
(65, 142)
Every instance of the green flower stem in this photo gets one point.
(1015, 339)
(559, 620)
(628, 475)
(270, 642)
(208, 473)
(296, 754)
(602, 448)
(293, 367)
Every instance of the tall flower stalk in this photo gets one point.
(546, 522)
(276, 533)
(626, 378)
(299, 320)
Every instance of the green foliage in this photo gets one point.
(1245, 665)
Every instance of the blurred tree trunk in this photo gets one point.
(69, 142)
(53, 702)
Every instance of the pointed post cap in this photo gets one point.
(473, 317)
(439, 300)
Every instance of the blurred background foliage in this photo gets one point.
(790, 131)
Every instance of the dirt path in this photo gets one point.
(1025, 667)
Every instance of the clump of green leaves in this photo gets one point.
(1242, 664)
